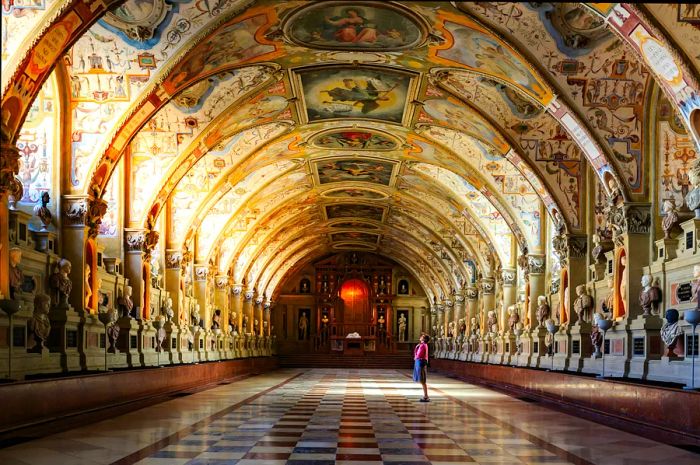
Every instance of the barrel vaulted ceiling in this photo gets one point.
(274, 133)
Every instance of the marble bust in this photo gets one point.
(543, 310)
(649, 296)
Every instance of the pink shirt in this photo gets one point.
(421, 352)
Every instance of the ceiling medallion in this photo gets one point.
(374, 26)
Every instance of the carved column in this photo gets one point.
(460, 308)
(536, 268)
(441, 320)
(237, 307)
(138, 245)
(472, 295)
(267, 306)
(449, 315)
(221, 294)
(510, 292)
(258, 314)
(572, 256)
(10, 185)
(488, 288)
(173, 276)
(81, 220)
(248, 309)
(631, 238)
(201, 276)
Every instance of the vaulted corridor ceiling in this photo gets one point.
(259, 136)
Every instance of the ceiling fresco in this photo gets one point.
(268, 133)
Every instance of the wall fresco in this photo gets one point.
(608, 84)
(37, 146)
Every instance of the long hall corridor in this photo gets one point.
(337, 416)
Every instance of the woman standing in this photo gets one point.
(420, 366)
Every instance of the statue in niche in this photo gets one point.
(696, 285)
(155, 272)
(607, 304)
(233, 323)
(126, 303)
(41, 210)
(403, 324)
(16, 275)
(692, 199)
(475, 328)
(381, 322)
(596, 336)
(256, 327)
(60, 282)
(451, 329)
(670, 331)
(623, 284)
(382, 285)
(583, 304)
(216, 321)
(305, 286)
(649, 296)
(543, 310)
(246, 318)
(303, 326)
(492, 322)
(671, 218)
(462, 327)
(88, 289)
(102, 298)
(40, 325)
(195, 317)
(513, 317)
(113, 330)
(403, 287)
(167, 309)
(597, 252)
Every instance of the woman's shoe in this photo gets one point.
(425, 399)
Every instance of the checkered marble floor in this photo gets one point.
(326, 416)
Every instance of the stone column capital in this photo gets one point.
(173, 259)
(508, 275)
(221, 281)
(139, 240)
(488, 286)
(249, 294)
(237, 289)
(536, 263)
(201, 271)
(472, 293)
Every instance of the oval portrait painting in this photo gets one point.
(343, 26)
